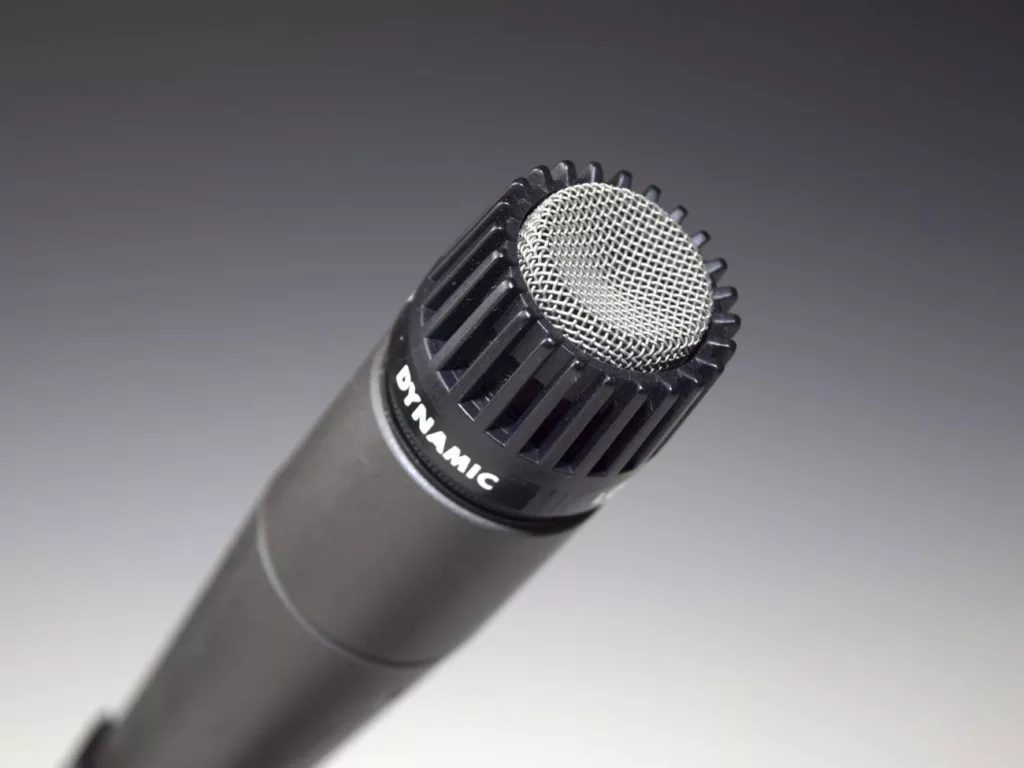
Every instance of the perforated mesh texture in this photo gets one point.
(616, 275)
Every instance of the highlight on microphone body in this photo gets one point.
(556, 346)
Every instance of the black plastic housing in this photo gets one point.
(552, 430)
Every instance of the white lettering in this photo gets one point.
(426, 423)
(486, 480)
(404, 378)
(404, 381)
(437, 440)
(452, 454)
(457, 459)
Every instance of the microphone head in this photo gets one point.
(614, 273)
(556, 346)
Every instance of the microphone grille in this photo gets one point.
(617, 275)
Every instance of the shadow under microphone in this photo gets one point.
(543, 360)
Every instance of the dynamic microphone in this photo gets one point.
(545, 358)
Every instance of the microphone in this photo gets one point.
(544, 359)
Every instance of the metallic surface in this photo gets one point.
(560, 426)
(351, 578)
(617, 275)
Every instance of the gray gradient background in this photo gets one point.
(209, 217)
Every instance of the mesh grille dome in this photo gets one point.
(616, 275)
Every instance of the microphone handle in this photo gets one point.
(352, 577)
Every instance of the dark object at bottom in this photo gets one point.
(86, 758)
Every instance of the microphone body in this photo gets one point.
(351, 578)
(545, 358)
